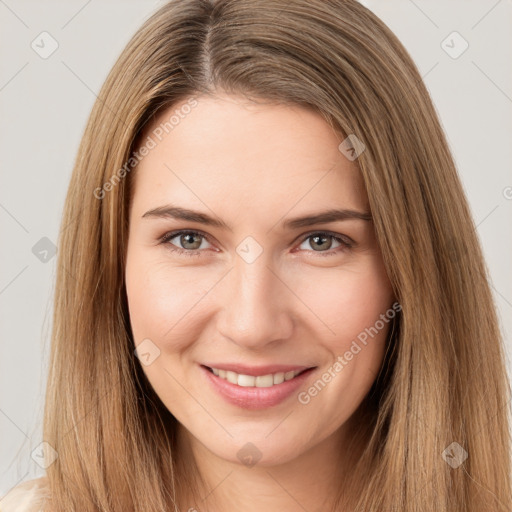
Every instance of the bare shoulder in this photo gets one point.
(28, 496)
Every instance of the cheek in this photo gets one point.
(161, 305)
(356, 305)
(345, 302)
(166, 304)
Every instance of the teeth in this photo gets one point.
(261, 381)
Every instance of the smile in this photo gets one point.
(255, 392)
(260, 381)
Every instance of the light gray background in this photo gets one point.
(45, 104)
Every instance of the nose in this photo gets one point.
(256, 309)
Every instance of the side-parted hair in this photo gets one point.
(443, 379)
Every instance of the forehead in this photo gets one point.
(255, 156)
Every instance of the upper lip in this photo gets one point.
(256, 371)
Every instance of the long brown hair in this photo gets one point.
(442, 393)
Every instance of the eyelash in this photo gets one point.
(345, 244)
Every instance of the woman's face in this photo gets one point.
(221, 274)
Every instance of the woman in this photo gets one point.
(249, 371)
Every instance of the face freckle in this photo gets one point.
(264, 288)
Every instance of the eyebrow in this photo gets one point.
(332, 215)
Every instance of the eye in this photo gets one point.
(324, 240)
(190, 242)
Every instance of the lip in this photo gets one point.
(254, 398)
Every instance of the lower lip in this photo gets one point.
(254, 398)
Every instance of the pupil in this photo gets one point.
(322, 237)
(186, 237)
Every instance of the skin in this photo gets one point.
(253, 166)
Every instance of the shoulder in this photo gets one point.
(28, 496)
